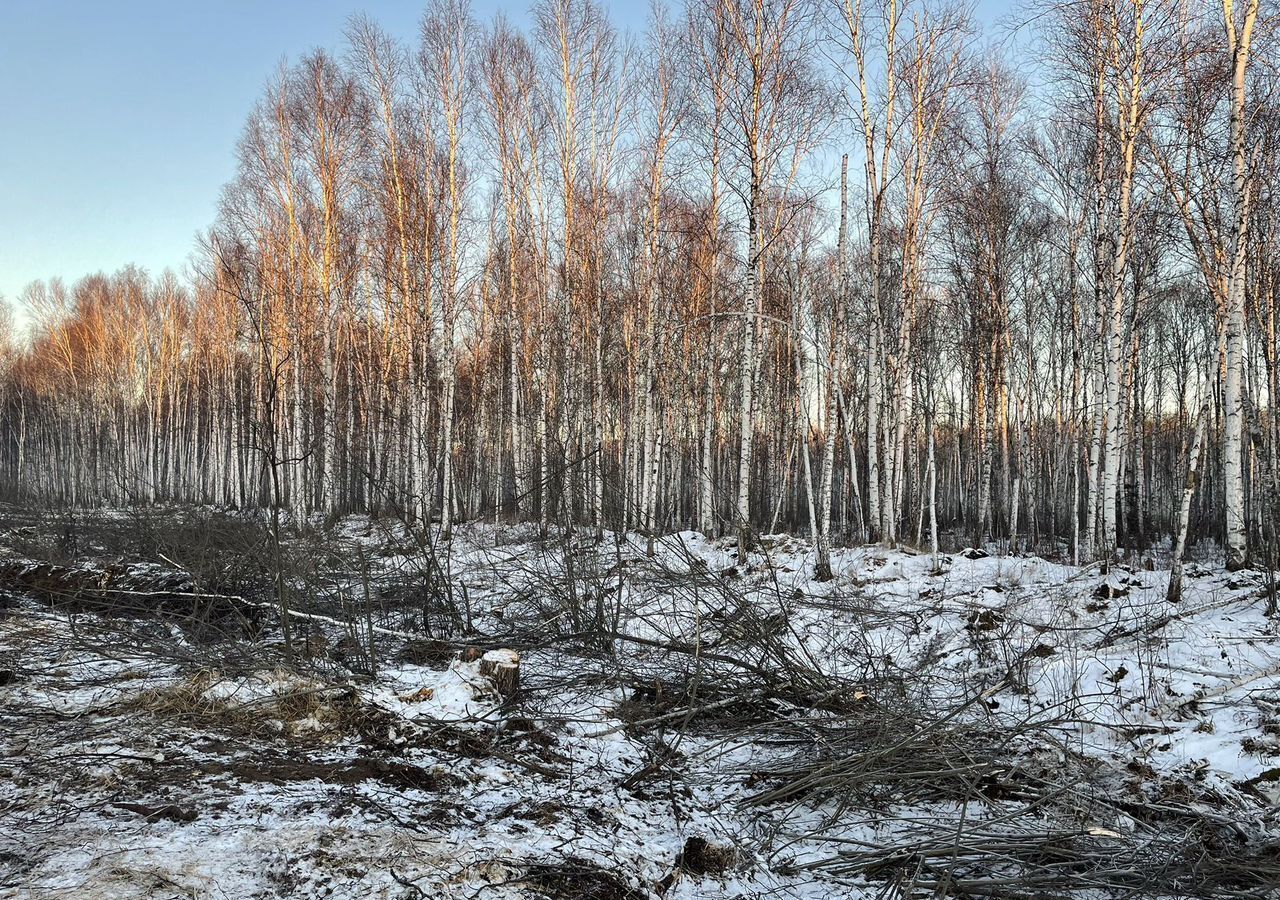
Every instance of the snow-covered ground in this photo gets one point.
(685, 727)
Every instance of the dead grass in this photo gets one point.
(311, 712)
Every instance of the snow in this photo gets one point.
(289, 801)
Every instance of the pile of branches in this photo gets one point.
(136, 590)
(1017, 856)
(963, 804)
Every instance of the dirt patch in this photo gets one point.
(282, 770)
(170, 812)
(701, 857)
(576, 879)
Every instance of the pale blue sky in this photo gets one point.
(120, 118)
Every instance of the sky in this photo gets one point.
(120, 119)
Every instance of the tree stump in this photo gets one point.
(502, 667)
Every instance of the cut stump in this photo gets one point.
(502, 667)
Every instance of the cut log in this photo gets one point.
(502, 667)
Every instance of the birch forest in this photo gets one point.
(848, 268)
